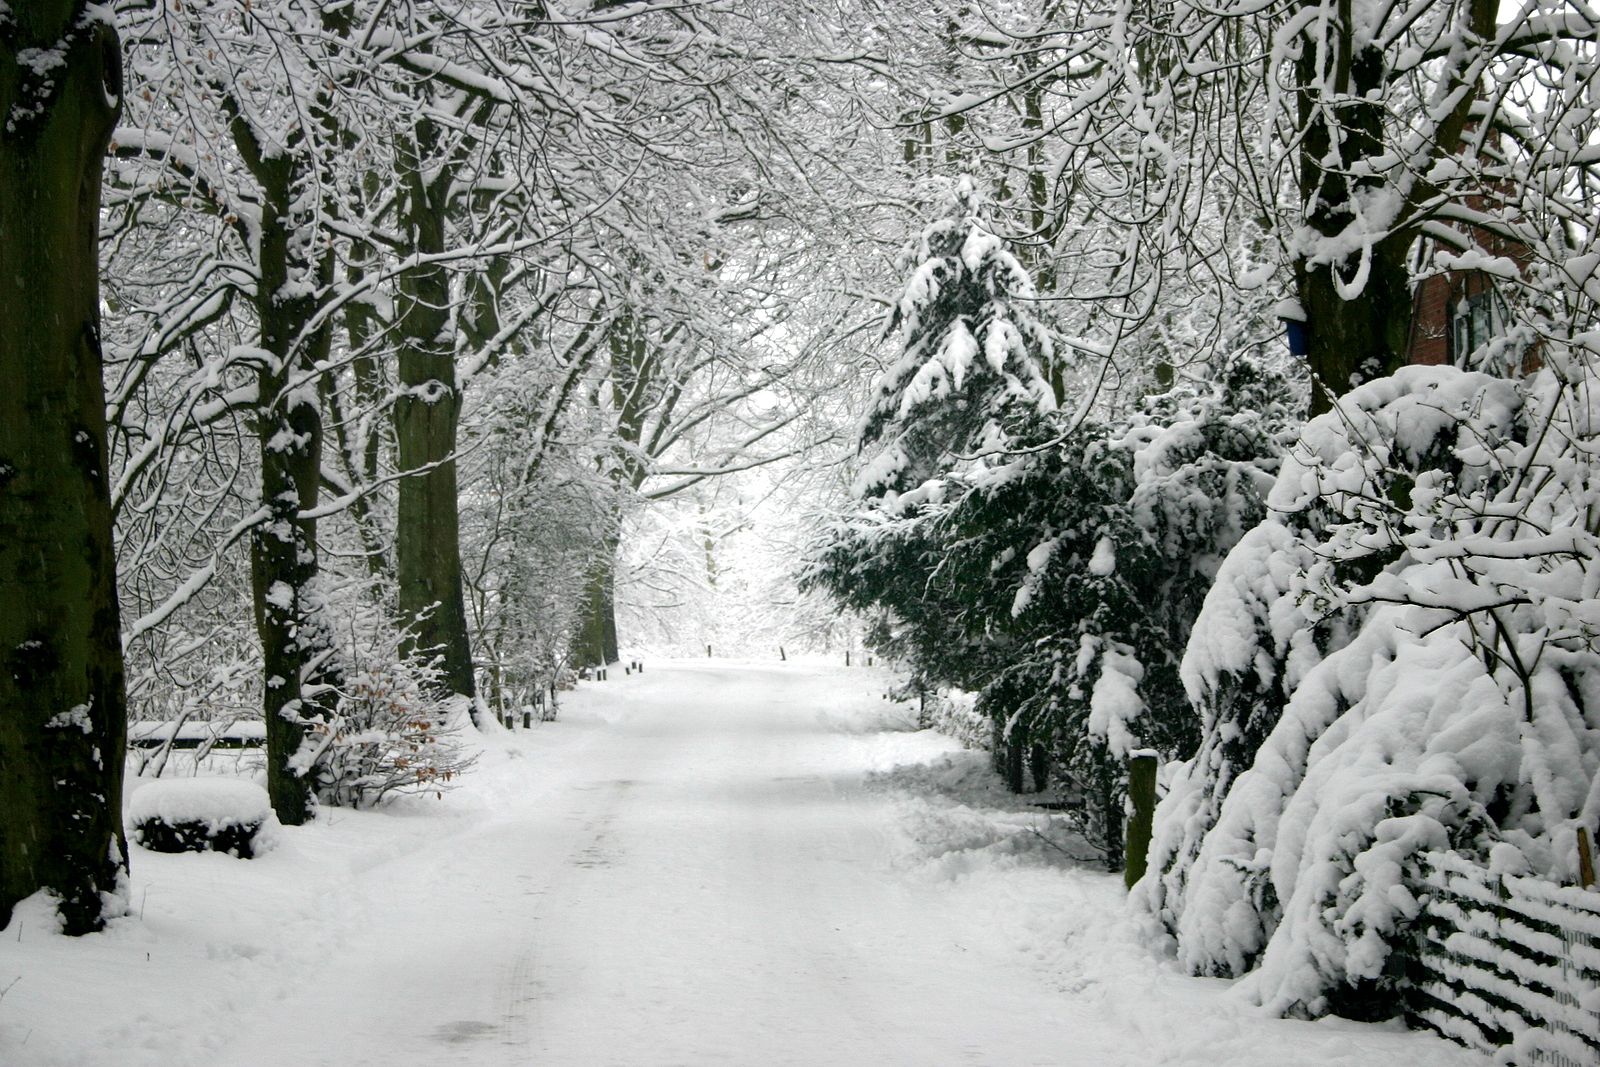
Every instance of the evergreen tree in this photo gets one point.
(972, 355)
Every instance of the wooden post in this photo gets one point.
(847, 657)
(527, 718)
(708, 652)
(1585, 859)
(781, 654)
(1141, 821)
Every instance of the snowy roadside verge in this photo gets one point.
(1019, 886)
(212, 939)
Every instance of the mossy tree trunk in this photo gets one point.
(426, 414)
(62, 699)
(595, 643)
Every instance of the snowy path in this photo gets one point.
(691, 868)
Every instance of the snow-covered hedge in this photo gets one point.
(1401, 658)
(200, 814)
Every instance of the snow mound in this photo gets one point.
(226, 814)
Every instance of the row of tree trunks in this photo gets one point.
(62, 700)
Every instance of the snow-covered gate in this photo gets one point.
(1502, 961)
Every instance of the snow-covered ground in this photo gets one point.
(711, 862)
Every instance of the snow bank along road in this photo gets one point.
(708, 863)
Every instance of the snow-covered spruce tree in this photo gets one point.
(1422, 604)
(972, 353)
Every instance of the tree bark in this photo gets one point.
(63, 717)
(428, 533)
(1362, 337)
(300, 668)
(595, 644)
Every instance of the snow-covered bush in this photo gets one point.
(1401, 658)
(954, 713)
(199, 815)
(390, 734)
(391, 725)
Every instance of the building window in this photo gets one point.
(1474, 322)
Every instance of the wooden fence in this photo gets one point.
(1503, 963)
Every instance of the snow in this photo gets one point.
(1116, 703)
(1104, 560)
(709, 862)
(74, 718)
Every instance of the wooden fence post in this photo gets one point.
(1141, 821)
(1585, 859)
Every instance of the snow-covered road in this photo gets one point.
(698, 865)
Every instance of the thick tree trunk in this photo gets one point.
(1362, 337)
(296, 649)
(595, 644)
(298, 660)
(62, 702)
(428, 538)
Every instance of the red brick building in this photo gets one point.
(1454, 313)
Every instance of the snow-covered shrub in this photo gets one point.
(1409, 642)
(390, 724)
(390, 734)
(199, 815)
(954, 713)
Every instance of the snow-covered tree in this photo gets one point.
(973, 355)
(1305, 148)
(1052, 564)
(1400, 658)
